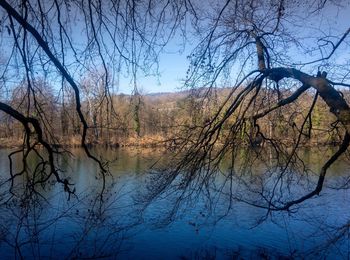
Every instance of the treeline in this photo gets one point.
(153, 119)
(114, 120)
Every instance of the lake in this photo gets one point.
(123, 227)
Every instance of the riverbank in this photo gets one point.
(154, 141)
(75, 142)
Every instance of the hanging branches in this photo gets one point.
(246, 43)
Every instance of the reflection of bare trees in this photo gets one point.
(53, 227)
(45, 49)
(238, 35)
(128, 35)
(241, 153)
(83, 227)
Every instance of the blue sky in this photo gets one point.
(173, 64)
(172, 68)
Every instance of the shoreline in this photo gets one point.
(143, 142)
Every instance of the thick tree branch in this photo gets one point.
(45, 47)
(43, 44)
(260, 52)
(283, 102)
(30, 121)
(337, 104)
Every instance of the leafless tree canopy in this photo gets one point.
(59, 43)
(270, 53)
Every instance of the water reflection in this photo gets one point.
(50, 226)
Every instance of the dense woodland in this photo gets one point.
(157, 119)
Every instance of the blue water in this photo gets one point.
(120, 227)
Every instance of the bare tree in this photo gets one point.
(63, 41)
(268, 52)
(272, 56)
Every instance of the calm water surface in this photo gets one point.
(120, 227)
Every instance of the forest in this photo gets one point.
(156, 120)
(256, 139)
